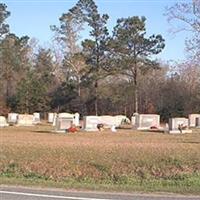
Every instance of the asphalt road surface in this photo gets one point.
(18, 193)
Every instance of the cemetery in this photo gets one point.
(100, 99)
(64, 122)
(58, 153)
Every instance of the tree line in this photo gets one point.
(106, 73)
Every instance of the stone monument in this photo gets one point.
(3, 122)
(146, 122)
(36, 118)
(25, 120)
(192, 120)
(12, 118)
(179, 125)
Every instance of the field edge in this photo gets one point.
(153, 186)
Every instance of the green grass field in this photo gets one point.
(124, 161)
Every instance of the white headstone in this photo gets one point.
(90, 123)
(12, 118)
(25, 120)
(147, 121)
(76, 119)
(197, 122)
(36, 118)
(121, 119)
(55, 115)
(108, 121)
(179, 125)
(133, 119)
(66, 115)
(3, 122)
(192, 119)
(50, 117)
(63, 123)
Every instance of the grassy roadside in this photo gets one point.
(126, 161)
(190, 185)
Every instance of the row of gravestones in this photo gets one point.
(175, 125)
(64, 121)
(20, 119)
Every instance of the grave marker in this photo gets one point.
(63, 123)
(192, 119)
(197, 122)
(179, 125)
(36, 118)
(147, 122)
(12, 118)
(50, 117)
(3, 122)
(25, 120)
(90, 123)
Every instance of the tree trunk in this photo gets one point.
(136, 109)
(136, 99)
(79, 87)
(7, 91)
(8, 87)
(96, 98)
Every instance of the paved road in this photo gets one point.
(16, 193)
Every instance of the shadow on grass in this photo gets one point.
(190, 142)
(153, 131)
(47, 131)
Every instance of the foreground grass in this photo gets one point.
(125, 161)
(190, 185)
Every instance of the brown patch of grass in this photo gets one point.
(117, 158)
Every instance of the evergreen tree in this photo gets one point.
(4, 28)
(131, 50)
(31, 95)
(93, 49)
(14, 63)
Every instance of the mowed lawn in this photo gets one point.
(124, 161)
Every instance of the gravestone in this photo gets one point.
(121, 119)
(55, 115)
(12, 118)
(66, 115)
(197, 122)
(74, 117)
(36, 118)
(76, 120)
(63, 123)
(50, 117)
(3, 122)
(25, 120)
(133, 119)
(90, 123)
(192, 119)
(147, 122)
(108, 121)
(179, 125)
